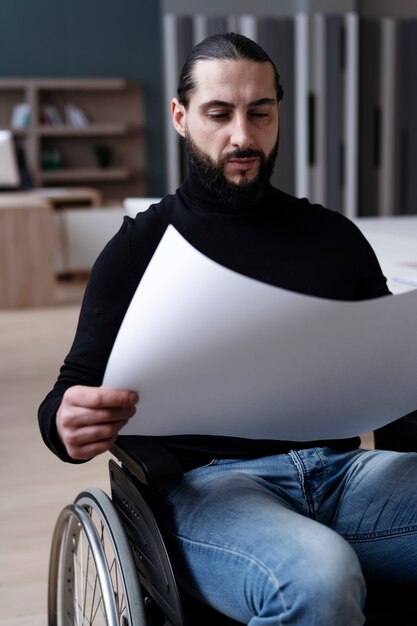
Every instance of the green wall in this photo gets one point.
(102, 38)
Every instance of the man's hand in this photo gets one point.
(89, 419)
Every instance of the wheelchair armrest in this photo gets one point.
(146, 459)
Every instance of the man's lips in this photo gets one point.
(245, 163)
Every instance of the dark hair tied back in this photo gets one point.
(228, 46)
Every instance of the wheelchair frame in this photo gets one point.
(109, 564)
(108, 560)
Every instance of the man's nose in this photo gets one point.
(241, 136)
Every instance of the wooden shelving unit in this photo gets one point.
(85, 174)
(114, 112)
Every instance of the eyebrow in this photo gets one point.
(230, 105)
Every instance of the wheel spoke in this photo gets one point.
(99, 604)
(86, 583)
(96, 582)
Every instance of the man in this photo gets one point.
(265, 531)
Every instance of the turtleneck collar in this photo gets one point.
(208, 200)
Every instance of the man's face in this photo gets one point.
(232, 117)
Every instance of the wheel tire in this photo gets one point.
(92, 576)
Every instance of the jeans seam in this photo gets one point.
(383, 534)
(301, 470)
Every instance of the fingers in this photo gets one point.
(90, 418)
(87, 442)
(100, 397)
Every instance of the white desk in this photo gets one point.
(83, 233)
(394, 240)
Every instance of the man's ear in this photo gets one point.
(178, 116)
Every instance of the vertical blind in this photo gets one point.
(348, 135)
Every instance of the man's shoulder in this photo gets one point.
(304, 206)
(154, 216)
(313, 218)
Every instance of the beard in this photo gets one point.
(210, 174)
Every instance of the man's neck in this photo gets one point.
(243, 201)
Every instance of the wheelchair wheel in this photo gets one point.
(92, 576)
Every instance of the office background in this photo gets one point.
(369, 156)
(91, 38)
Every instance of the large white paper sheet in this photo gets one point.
(213, 352)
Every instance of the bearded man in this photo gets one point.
(266, 531)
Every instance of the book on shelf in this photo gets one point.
(20, 117)
(75, 116)
(51, 116)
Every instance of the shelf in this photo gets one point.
(113, 111)
(18, 132)
(71, 175)
(93, 130)
(83, 84)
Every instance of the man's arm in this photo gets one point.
(89, 419)
(112, 283)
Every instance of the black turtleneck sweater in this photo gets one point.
(283, 241)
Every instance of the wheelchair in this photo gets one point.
(109, 564)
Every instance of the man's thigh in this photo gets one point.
(377, 514)
(238, 541)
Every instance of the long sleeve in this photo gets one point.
(112, 283)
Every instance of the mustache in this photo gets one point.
(243, 154)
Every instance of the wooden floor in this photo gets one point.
(34, 484)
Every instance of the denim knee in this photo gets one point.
(326, 586)
(319, 586)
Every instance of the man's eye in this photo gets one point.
(217, 115)
(259, 114)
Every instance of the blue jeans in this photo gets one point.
(290, 539)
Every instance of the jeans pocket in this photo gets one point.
(198, 470)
